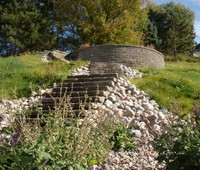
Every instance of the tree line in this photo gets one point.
(35, 25)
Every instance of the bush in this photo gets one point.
(122, 139)
(180, 147)
(182, 57)
(64, 142)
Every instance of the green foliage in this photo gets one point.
(198, 46)
(151, 35)
(122, 138)
(176, 87)
(27, 73)
(175, 25)
(180, 147)
(102, 21)
(181, 57)
(24, 27)
(28, 25)
(62, 143)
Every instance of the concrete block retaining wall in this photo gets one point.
(104, 67)
(129, 55)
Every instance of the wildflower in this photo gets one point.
(14, 139)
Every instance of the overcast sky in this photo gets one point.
(194, 5)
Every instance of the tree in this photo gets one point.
(151, 35)
(198, 46)
(23, 27)
(175, 25)
(102, 21)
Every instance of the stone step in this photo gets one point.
(88, 79)
(81, 88)
(71, 106)
(71, 113)
(77, 94)
(94, 76)
(100, 99)
(87, 83)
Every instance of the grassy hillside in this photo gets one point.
(20, 75)
(177, 87)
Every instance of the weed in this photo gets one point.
(179, 147)
(64, 142)
(122, 138)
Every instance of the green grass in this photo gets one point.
(21, 75)
(176, 87)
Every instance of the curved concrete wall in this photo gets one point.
(129, 55)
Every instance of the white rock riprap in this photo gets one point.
(130, 73)
(135, 108)
(83, 70)
(9, 108)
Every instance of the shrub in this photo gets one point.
(64, 142)
(182, 57)
(180, 147)
(122, 139)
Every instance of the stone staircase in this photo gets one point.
(76, 94)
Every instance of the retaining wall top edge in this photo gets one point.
(119, 45)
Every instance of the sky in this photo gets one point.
(194, 5)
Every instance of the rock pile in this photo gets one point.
(136, 109)
(130, 73)
(126, 71)
(9, 108)
(83, 70)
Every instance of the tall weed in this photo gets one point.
(179, 148)
(63, 142)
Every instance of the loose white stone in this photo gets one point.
(129, 103)
(161, 116)
(152, 118)
(142, 126)
(112, 98)
(135, 92)
(129, 112)
(147, 106)
(131, 87)
(136, 133)
(156, 128)
(108, 103)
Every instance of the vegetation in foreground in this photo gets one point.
(179, 148)
(177, 87)
(63, 142)
(22, 75)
